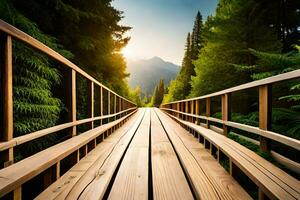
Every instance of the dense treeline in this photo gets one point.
(245, 40)
(86, 32)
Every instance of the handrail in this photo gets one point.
(20, 35)
(270, 80)
(188, 109)
(121, 106)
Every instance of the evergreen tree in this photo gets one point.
(237, 26)
(35, 75)
(90, 30)
(181, 86)
(158, 94)
(196, 37)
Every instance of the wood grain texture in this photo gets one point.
(77, 178)
(17, 174)
(132, 178)
(208, 178)
(272, 180)
(169, 181)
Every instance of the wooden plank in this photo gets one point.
(85, 170)
(208, 111)
(90, 104)
(132, 178)
(282, 183)
(169, 181)
(19, 173)
(94, 183)
(207, 177)
(7, 101)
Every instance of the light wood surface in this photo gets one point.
(82, 172)
(132, 178)
(271, 180)
(169, 181)
(208, 178)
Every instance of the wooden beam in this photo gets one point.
(265, 114)
(7, 97)
(208, 102)
(226, 112)
(198, 110)
(115, 105)
(101, 103)
(71, 99)
(91, 103)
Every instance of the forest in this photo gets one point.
(87, 33)
(246, 40)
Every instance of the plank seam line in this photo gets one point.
(105, 160)
(112, 180)
(251, 161)
(179, 160)
(150, 176)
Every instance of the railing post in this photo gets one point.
(226, 111)
(208, 102)
(108, 104)
(101, 103)
(197, 111)
(6, 97)
(192, 110)
(91, 103)
(71, 99)
(178, 109)
(115, 106)
(186, 110)
(265, 114)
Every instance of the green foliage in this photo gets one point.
(236, 27)
(158, 94)
(181, 86)
(34, 106)
(90, 30)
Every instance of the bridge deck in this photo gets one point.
(150, 156)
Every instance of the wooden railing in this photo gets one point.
(121, 106)
(188, 109)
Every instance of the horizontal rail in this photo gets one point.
(20, 35)
(189, 109)
(268, 134)
(274, 79)
(115, 106)
(41, 133)
(15, 175)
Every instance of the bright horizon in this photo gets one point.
(159, 28)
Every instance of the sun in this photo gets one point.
(127, 52)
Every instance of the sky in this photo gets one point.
(160, 27)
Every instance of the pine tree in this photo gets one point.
(35, 75)
(196, 37)
(237, 26)
(158, 94)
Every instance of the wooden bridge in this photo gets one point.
(142, 153)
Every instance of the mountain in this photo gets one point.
(147, 73)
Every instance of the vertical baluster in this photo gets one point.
(7, 98)
(197, 111)
(108, 104)
(71, 99)
(265, 114)
(91, 103)
(208, 102)
(226, 112)
(101, 103)
(115, 105)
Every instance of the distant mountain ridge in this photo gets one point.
(146, 73)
